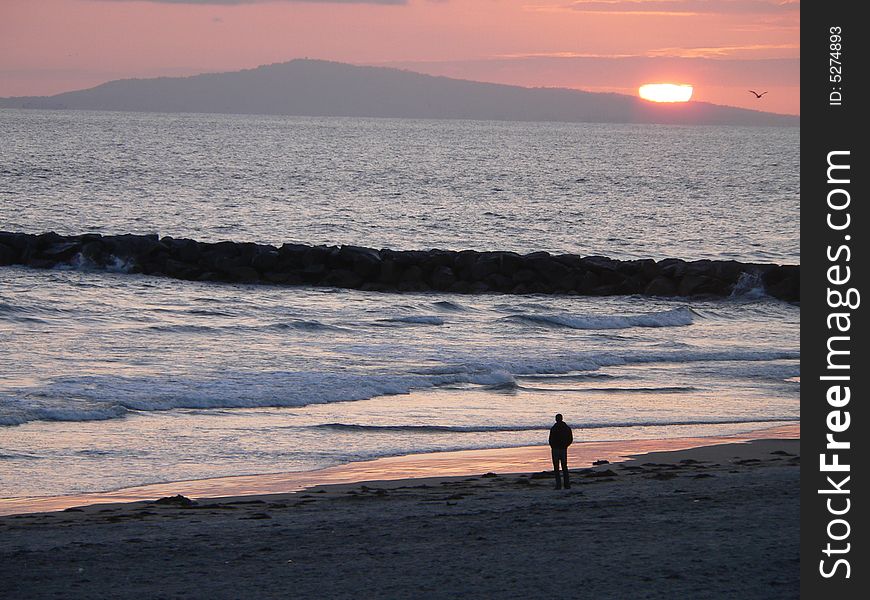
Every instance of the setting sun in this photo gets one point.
(665, 92)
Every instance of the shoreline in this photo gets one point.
(705, 522)
(405, 468)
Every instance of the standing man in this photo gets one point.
(560, 438)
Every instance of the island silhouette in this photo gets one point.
(307, 87)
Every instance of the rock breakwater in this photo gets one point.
(465, 272)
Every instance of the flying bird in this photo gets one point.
(757, 95)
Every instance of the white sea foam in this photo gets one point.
(24, 413)
(749, 286)
(106, 397)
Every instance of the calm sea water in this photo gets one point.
(111, 380)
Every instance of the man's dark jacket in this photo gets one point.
(560, 435)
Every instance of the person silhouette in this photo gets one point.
(560, 438)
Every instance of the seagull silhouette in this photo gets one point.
(757, 95)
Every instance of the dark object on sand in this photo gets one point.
(782, 453)
(601, 462)
(356, 267)
(604, 473)
(177, 500)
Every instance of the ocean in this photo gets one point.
(111, 379)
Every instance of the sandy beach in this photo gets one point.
(714, 518)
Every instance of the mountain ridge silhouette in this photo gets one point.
(310, 87)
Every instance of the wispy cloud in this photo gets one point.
(237, 2)
(744, 52)
(724, 51)
(564, 55)
(685, 7)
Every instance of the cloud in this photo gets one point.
(237, 2)
(686, 7)
(725, 51)
(563, 55)
(714, 52)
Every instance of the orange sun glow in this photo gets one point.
(665, 92)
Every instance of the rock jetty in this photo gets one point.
(464, 272)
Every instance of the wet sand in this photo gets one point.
(696, 521)
(437, 464)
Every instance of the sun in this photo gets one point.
(665, 92)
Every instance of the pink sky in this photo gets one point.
(722, 47)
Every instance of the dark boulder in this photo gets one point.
(8, 255)
(413, 274)
(31, 254)
(661, 286)
(727, 270)
(241, 274)
(95, 251)
(499, 283)
(442, 278)
(342, 278)
(177, 500)
(606, 269)
(673, 268)
(390, 272)
(696, 285)
(464, 260)
(221, 255)
(526, 276)
(572, 261)
(376, 287)
(44, 240)
(599, 263)
(633, 284)
(16, 241)
(783, 282)
(129, 245)
(461, 287)
(555, 273)
(175, 268)
(267, 259)
(313, 273)
(283, 278)
(249, 250)
(183, 249)
(406, 258)
(40, 263)
(293, 255)
(700, 267)
(315, 256)
(485, 265)
(588, 282)
(511, 262)
(440, 258)
(521, 288)
(648, 269)
(608, 289)
(365, 262)
(62, 251)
